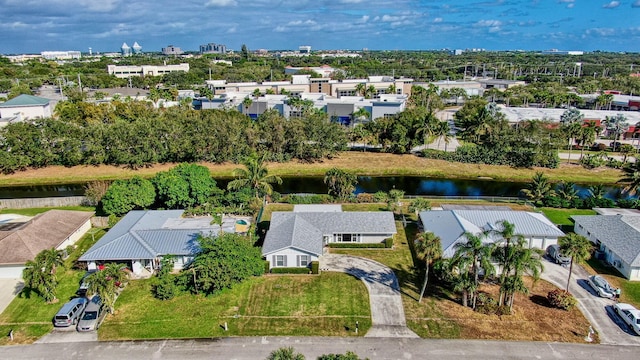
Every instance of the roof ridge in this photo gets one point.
(142, 242)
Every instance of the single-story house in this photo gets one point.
(142, 237)
(25, 107)
(22, 239)
(617, 240)
(297, 238)
(450, 226)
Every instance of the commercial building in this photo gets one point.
(213, 48)
(172, 50)
(61, 55)
(25, 107)
(127, 71)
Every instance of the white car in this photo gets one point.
(630, 315)
(601, 286)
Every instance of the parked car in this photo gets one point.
(70, 312)
(630, 315)
(601, 286)
(92, 315)
(553, 251)
(84, 286)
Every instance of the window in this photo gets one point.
(280, 261)
(303, 260)
(347, 237)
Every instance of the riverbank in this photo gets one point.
(360, 163)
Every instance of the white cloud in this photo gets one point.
(635, 4)
(364, 19)
(489, 23)
(220, 3)
(439, 19)
(570, 6)
(611, 5)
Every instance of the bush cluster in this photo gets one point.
(561, 299)
(357, 245)
(521, 157)
(290, 270)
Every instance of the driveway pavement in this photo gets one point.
(387, 311)
(599, 311)
(67, 335)
(9, 288)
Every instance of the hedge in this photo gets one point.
(356, 245)
(315, 267)
(290, 270)
(388, 243)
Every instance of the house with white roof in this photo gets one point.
(616, 238)
(451, 225)
(297, 238)
(142, 237)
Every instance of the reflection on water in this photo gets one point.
(412, 185)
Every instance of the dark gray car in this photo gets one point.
(553, 251)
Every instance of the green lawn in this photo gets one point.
(324, 305)
(28, 315)
(425, 318)
(36, 211)
(562, 216)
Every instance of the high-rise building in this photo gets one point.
(137, 49)
(125, 50)
(304, 49)
(213, 48)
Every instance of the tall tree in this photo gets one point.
(616, 126)
(126, 195)
(341, 183)
(578, 248)
(475, 254)
(255, 176)
(39, 274)
(631, 177)
(428, 249)
(539, 188)
(571, 121)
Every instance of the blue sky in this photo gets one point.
(32, 26)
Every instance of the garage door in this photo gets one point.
(11, 272)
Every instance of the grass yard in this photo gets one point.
(324, 305)
(361, 163)
(36, 211)
(28, 315)
(440, 315)
(562, 216)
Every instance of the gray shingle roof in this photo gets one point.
(619, 233)
(449, 225)
(304, 230)
(146, 234)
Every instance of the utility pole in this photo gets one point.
(79, 83)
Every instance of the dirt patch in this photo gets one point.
(532, 318)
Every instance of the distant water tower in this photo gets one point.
(137, 49)
(125, 50)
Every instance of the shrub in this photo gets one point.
(307, 199)
(275, 196)
(591, 161)
(315, 267)
(356, 245)
(380, 196)
(290, 270)
(486, 304)
(561, 299)
(365, 198)
(388, 243)
(628, 203)
(267, 265)
(164, 288)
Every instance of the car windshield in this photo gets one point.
(63, 318)
(602, 283)
(90, 315)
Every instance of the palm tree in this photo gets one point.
(523, 260)
(106, 282)
(475, 253)
(340, 183)
(361, 89)
(587, 135)
(39, 274)
(465, 284)
(255, 176)
(360, 115)
(441, 131)
(246, 104)
(428, 249)
(577, 247)
(631, 177)
(597, 191)
(616, 126)
(539, 188)
(567, 191)
(571, 121)
(506, 233)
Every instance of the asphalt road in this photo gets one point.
(372, 348)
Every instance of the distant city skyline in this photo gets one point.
(32, 26)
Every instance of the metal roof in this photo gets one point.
(146, 234)
(620, 233)
(305, 230)
(450, 225)
(25, 100)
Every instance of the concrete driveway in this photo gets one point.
(9, 288)
(387, 311)
(599, 311)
